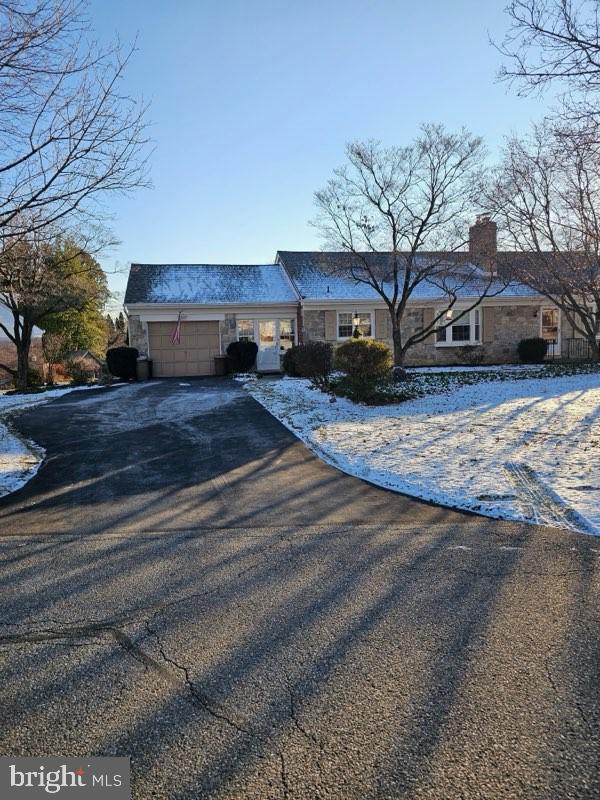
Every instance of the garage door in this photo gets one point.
(193, 356)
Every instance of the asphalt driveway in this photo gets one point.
(184, 583)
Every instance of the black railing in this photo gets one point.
(577, 350)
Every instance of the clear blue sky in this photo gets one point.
(252, 102)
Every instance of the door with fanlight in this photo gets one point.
(551, 330)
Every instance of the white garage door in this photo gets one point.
(193, 356)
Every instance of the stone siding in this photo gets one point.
(313, 326)
(137, 334)
(227, 329)
(508, 324)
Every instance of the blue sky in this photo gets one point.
(252, 103)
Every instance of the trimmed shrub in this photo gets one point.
(289, 362)
(366, 363)
(242, 355)
(532, 351)
(314, 360)
(122, 362)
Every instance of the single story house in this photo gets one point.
(310, 296)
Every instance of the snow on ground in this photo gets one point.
(20, 459)
(523, 450)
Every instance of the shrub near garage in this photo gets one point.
(122, 362)
(314, 360)
(242, 355)
(367, 364)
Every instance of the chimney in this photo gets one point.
(482, 242)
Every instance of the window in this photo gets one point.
(346, 324)
(245, 330)
(466, 329)
(287, 333)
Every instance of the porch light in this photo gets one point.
(449, 314)
(356, 320)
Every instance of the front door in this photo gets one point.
(267, 359)
(551, 330)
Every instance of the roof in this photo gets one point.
(81, 354)
(320, 276)
(209, 284)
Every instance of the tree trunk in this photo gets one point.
(398, 349)
(595, 348)
(23, 347)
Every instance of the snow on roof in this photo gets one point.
(317, 276)
(209, 284)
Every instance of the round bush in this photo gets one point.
(314, 360)
(532, 351)
(366, 363)
(122, 362)
(242, 355)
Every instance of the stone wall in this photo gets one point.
(313, 325)
(227, 331)
(137, 334)
(504, 327)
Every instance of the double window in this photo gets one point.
(466, 329)
(348, 321)
(265, 331)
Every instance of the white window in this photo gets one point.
(245, 330)
(287, 333)
(349, 320)
(466, 329)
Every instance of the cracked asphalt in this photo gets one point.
(184, 583)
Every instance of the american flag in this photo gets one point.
(176, 336)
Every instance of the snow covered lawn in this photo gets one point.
(20, 460)
(525, 449)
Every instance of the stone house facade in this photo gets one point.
(312, 296)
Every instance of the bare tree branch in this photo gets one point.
(412, 204)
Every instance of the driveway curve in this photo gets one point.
(184, 583)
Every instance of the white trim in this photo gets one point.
(553, 350)
(360, 310)
(186, 316)
(467, 319)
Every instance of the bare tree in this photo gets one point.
(547, 193)
(555, 43)
(69, 134)
(412, 204)
(54, 350)
(40, 277)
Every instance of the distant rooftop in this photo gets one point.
(209, 284)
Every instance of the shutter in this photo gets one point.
(382, 324)
(331, 326)
(428, 317)
(489, 317)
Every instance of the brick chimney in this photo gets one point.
(482, 242)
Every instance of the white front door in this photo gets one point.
(267, 359)
(551, 330)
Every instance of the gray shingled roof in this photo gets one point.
(208, 284)
(319, 276)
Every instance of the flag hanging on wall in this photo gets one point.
(176, 336)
